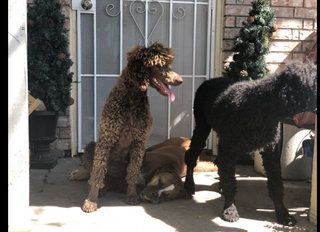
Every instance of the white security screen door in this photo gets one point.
(110, 28)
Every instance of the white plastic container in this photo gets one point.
(295, 165)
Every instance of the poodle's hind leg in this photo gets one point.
(226, 162)
(272, 166)
(198, 141)
(133, 171)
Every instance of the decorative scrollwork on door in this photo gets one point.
(137, 8)
(110, 8)
(179, 13)
(140, 8)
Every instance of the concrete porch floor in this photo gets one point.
(55, 205)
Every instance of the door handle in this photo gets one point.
(86, 4)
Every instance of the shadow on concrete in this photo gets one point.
(202, 213)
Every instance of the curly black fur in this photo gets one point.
(246, 116)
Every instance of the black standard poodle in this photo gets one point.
(246, 116)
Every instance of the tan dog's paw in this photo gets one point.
(133, 200)
(79, 175)
(89, 206)
(73, 174)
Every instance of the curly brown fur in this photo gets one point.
(246, 116)
(126, 122)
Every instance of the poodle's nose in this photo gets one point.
(177, 79)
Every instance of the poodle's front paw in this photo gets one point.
(89, 206)
(133, 200)
(286, 220)
(230, 214)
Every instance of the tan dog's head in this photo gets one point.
(152, 64)
(164, 185)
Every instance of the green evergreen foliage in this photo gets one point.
(49, 78)
(252, 43)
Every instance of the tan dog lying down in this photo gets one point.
(162, 169)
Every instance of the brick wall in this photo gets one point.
(297, 28)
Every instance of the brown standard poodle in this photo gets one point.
(126, 121)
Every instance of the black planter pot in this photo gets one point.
(42, 132)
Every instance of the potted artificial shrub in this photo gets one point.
(49, 78)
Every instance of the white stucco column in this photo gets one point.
(313, 206)
(18, 144)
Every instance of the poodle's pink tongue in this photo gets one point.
(164, 89)
(171, 94)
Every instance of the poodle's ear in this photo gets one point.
(297, 76)
(135, 53)
(157, 54)
(305, 73)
